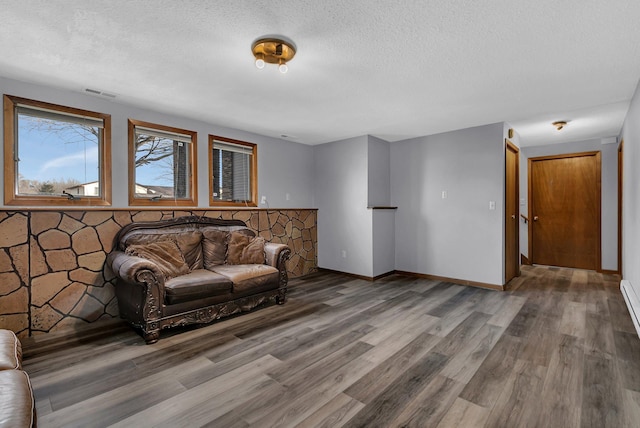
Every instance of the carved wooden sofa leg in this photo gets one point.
(151, 336)
(151, 333)
(282, 296)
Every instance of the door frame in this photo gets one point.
(598, 155)
(510, 146)
(620, 196)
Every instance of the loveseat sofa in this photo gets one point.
(193, 269)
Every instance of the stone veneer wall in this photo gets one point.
(52, 272)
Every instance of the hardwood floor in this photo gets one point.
(556, 350)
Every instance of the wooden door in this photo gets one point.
(565, 210)
(512, 212)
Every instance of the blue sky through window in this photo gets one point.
(63, 152)
(56, 151)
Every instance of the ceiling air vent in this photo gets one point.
(98, 93)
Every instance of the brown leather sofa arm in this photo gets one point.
(17, 405)
(140, 291)
(133, 269)
(274, 254)
(138, 271)
(10, 351)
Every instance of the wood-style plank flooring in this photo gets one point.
(556, 350)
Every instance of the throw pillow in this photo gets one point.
(244, 249)
(165, 254)
(214, 247)
(189, 244)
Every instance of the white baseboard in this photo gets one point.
(633, 302)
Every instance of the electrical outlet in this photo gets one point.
(287, 196)
(263, 200)
(492, 205)
(444, 194)
(344, 254)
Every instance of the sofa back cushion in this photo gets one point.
(245, 249)
(165, 254)
(189, 243)
(214, 247)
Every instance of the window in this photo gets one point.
(55, 155)
(233, 167)
(161, 165)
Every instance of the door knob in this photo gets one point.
(535, 218)
(513, 216)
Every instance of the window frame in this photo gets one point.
(193, 172)
(11, 197)
(253, 173)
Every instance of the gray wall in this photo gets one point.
(631, 194)
(378, 172)
(609, 186)
(383, 241)
(457, 237)
(352, 175)
(283, 166)
(383, 221)
(341, 196)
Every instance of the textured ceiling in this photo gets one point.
(392, 69)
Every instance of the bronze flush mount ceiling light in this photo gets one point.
(559, 124)
(273, 50)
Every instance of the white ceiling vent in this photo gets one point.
(99, 93)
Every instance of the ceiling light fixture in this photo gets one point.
(273, 50)
(559, 124)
